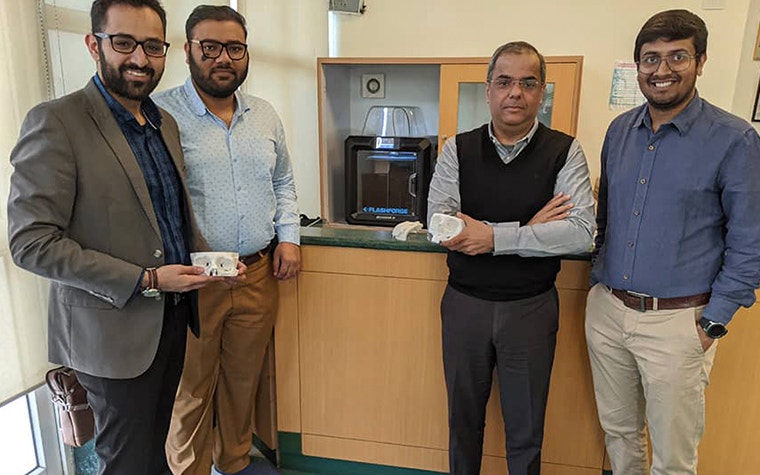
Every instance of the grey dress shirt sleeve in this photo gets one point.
(571, 235)
(443, 195)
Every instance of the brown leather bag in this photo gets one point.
(75, 422)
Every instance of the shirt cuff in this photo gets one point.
(289, 233)
(720, 310)
(504, 236)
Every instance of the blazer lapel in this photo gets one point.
(171, 140)
(109, 128)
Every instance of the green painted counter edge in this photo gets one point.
(292, 458)
(343, 236)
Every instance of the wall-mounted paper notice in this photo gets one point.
(625, 92)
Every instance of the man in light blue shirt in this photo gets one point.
(241, 184)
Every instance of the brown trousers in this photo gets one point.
(213, 413)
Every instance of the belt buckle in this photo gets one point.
(642, 299)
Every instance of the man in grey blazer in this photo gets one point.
(99, 206)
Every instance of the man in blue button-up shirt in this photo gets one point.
(243, 194)
(677, 251)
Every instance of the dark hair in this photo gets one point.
(213, 12)
(516, 47)
(672, 25)
(99, 11)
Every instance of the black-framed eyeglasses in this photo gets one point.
(677, 62)
(504, 83)
(126, 44)
(213, 49)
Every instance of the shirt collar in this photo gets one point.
(525, 139)
(199, 108)
(686, 118)
(682, 122)
(122, 115)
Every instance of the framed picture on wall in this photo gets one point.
(756, 56)
(756, 108)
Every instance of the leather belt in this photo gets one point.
(257, 256)
(643, 302)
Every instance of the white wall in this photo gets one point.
(602, 31)
(286, 37)
(749, 70)
(409, 85)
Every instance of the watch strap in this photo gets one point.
(152, 290)
(713, 329)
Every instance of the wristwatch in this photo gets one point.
(714, 330)
(152, 291)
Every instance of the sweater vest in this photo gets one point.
(496, 192)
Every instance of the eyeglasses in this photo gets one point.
(125, 44)
(213, 49)
(504, 83)
(676, 62)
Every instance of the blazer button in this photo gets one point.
(157, 253)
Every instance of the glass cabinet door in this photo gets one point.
(463, 97)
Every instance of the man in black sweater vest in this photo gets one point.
(511, 181)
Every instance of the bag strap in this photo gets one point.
(63, 383)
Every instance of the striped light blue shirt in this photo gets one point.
(240, 178)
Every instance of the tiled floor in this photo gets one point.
(262, 466)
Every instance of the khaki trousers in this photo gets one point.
(648, 368)
(212, 416)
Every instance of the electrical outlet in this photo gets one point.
(373, 86)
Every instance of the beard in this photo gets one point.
(115, 82)
(207, 84)
(669, 103)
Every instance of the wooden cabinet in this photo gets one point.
(732, 419)
(462, 96)
(370, 374)
(359, 371)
